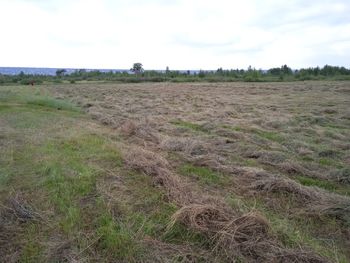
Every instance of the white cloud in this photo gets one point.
(179, 34)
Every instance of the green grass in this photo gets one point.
(59, 165)
(269, 135)
(308, 181)
(203, 174)
(117, 238)
(69, 174)
(52, 103)
(33, 250)
(343, 189)
(189, 125)
(330, 162)
(249, 162)
(7, 95)
(28, 119)
(234, 128)
(294, 233)
(147, 206)
(4, 107)
(22, 95)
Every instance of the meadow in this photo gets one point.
(175, 172)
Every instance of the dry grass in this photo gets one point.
(260, 137)
(13, 214)
(311, 201)
(17, 208)
(141, 130)
(183, 253)
(60, 250)
(231, 233)
(157, 167)
(234, 236)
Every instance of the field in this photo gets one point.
(201, 172)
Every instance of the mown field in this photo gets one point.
(201, 172)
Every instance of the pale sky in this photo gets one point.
(181, 34)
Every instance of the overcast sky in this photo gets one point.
(181, 34)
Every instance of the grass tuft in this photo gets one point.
(52, 103)
(308, 181)
(203, 174)
(190, 126)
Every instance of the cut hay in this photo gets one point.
(202, 218)
(14, 213)
(188, 146)
(142, 130)
(264, 182)
(148, 162)
(236, 236)
(231, 233)
(312, 200)
(16, 208)
(154, 165)
(103, 118)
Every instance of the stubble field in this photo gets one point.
(234, 172)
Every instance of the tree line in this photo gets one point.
(138, 74)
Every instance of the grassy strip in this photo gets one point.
(52, 103)
(36, 97)
(204, 175)
(189, 125)
(66, 173)
(325, 184)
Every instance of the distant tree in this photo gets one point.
(283, 70)
(252, 75)
(275, 71)
(137, 68)
(220, 71)
(60, 72)
(201, 74)
(317, 71)
(286, 70)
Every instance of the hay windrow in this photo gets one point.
(230, 232)
(142, 130)
(312, 200)
(234, 235)
(189, 147)
(158, 168)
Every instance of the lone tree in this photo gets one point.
(60, 72)
(137, 68)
